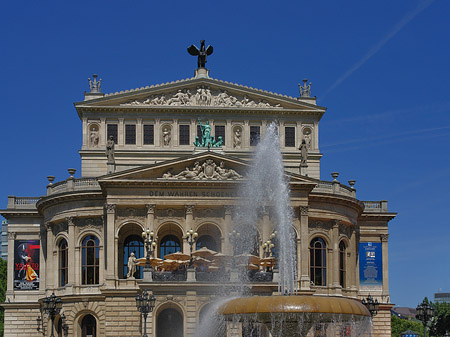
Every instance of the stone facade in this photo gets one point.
(155, 179)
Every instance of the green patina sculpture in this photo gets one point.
(207, 140)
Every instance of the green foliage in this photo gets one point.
(440, 325)
(3, 271)
(399, 325)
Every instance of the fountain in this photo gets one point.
(287, 314)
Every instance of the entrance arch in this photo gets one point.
(169, 323)
(88, 326)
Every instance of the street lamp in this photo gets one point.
(371, 305)
(269, 245)
(64, 326)
(52, 306)
(425, 314)
(150, 244)
(40, 327)
(145, 304)
(191, 238)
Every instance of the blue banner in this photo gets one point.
(370, 266)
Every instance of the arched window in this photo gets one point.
(170, 323)
(133, 244)
(88, 326)
(318, 262)
(63, 262)
(342, 264)
(169, 244)
(90, 260)
(206, 241)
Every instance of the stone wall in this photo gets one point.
(21, 322)
(121, 315)
(382, 323)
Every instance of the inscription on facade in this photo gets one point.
(192, 194)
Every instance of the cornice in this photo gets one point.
(337, 199)
(377, 216)
(53, 199)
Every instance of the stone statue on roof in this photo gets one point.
(201, 53)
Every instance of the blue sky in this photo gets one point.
(381, 68)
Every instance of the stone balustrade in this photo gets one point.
(22, 202)
(375, 206)
(72, 185)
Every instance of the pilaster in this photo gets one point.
(335, 243)
(139, 132)
(121, 133)
(150, 220)
(303, 253)
(384, 249)
(189, 219)
(110, 242)
(227, 248)
(71, 250)
(10, 276)
(353, 270)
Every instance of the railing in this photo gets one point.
(375, 206)
(212, 276)
(71, 185)
(22, 202)
(260, 276)
(164, 276)
(334, 188)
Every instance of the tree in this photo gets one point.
(3, 271)
(440, 324)
(399, 325)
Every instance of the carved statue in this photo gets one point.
(207, 140)
(201, 53)
(307, 137)
(303, 153)
(227, 173)
(188, 174)
(131, 266)
(305, 90)
(237, 138)
(110, 149)
(94, 137)
(94, 85)
(166, 136)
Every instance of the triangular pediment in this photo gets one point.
(204, 167)
(202, 93)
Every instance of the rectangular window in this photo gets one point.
(112, 131)
(254, 135)
(289, 136)
(184, 135)
(130, 134)
(219, 131)
(149, 134)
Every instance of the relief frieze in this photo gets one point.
(203, 96)
(208, 170)
(318, 225)
(59, 227)
(89, 222)
(131, 212)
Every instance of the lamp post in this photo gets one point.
(191, 238)
(40, 327)
(269, 245)
(234, 237)
(64, 326)
(425, 313)
(145, 304)
(52, 306)
(371, 305)
(150, 244)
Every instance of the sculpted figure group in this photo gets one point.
(208, 170)
(203, 96)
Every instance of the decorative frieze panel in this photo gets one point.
(95, 223)
(203, 96)
(209, 213)
(345, 230)
(323, 226)
(208, 170)
(131, 212)
(59, 227)
(170, 213)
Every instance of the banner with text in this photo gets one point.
(26, 264)
(370, 266)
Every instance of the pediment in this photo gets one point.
(203, 93)
(203, 167)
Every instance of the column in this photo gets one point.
(110, 250)
(303, 253)
(174, 133)
(352, 268)
(384, 249)
(50, 261)
(85, 134)
(193, 130)
(227, 249)
(189, 219)
(139, 132)
(102, 133)
(10, 277)
(245, 135)
(228, 135)
(335, 266)
(120, 133)
(150, 223)
(265, 228)
(157, 132)
(71, 249)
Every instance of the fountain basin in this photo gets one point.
(297, 316)
(293, 304)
